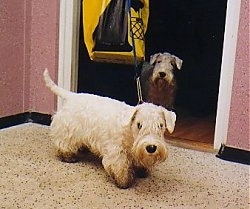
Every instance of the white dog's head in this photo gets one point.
(164, 64)
(148, 125)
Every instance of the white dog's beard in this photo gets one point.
(148, 153)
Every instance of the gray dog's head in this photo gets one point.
(164, 64)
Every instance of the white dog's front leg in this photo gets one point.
(118, 166)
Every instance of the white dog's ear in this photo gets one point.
(170, 118)
(177, 62)
(153, 58)
(129, 116)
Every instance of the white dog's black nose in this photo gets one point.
(151, 148)
(162, 74)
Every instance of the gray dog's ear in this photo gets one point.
(176, 61)
(170, 118)
(154, 57)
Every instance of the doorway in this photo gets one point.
(193, 31)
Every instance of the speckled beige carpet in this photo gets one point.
(31, 177)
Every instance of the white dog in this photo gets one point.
(128, 139)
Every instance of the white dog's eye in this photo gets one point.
(139, 126)
(161, 125)
(158, 61)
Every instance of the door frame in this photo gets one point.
(68, 59)
(69, 26)
(227, 72)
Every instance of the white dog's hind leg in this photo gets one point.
(65, 151)
(66, 143)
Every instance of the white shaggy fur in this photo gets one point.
(128, 139)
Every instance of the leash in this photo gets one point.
(136, 66)
(138, 87)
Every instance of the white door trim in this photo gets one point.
(227, 71)
(68, 58)
(68, 45)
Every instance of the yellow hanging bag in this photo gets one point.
(114, 30)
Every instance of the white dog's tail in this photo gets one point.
(53, 87)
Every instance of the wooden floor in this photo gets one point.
(193, 132)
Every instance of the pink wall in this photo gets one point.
(12, 62)
(238, 133)
(43, 53)
(28, 44)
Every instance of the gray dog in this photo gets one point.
(158, 81)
